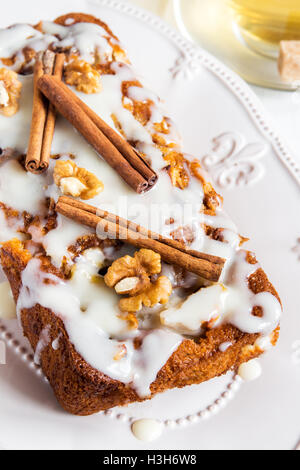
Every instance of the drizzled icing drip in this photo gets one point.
(138, 367)
(16, 37)
(42, 343)
(241, 301)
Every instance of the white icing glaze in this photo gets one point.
(20, 121)
(146, 429)
(232, 304)
(16, 37)
(4, 96)
(240, 300)
(55, 343)
(57, 241)
(87, 307)
(205, 305)
(42, 343)
(21, 189)
(264, 343)
(11, 229)
(83, 37)
(91, 336)
(224, 346)
(250, 370)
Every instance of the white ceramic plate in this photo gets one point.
(217, 114)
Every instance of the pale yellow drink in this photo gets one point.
(264, 23)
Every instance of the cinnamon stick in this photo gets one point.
(139, 229)
(66, 102)
(43, 114)
(51, 116)
(171, 251)
(131, 155)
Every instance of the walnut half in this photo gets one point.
(132, 276)
(158, 292)
(10, 91)
(83, 76)
(75, 181)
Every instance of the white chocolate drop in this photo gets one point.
(147, 430)
(250, 370)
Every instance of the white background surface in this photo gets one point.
(264, 414)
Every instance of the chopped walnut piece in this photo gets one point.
(131, 276)
(75, 181)
(10, 91)
(162, 127)
(150, 260)
(157, 293)
(72, 186)
(131, 320)
(141, 110)
(164, 145)
(127, 285)
(214, 233)
(159, 140)
(29, 54)
(184, 234)
(118, 125)
(119, 54)
(144, 264)
(177, 169)
(8, 61)
(122, 351)
(83, 76)
(243, 240)
(211, 199)
(120, 269)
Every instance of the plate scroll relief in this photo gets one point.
(233, 162)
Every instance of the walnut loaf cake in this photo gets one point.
(113, 320)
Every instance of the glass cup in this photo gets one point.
(264, 23)
(245, 34)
